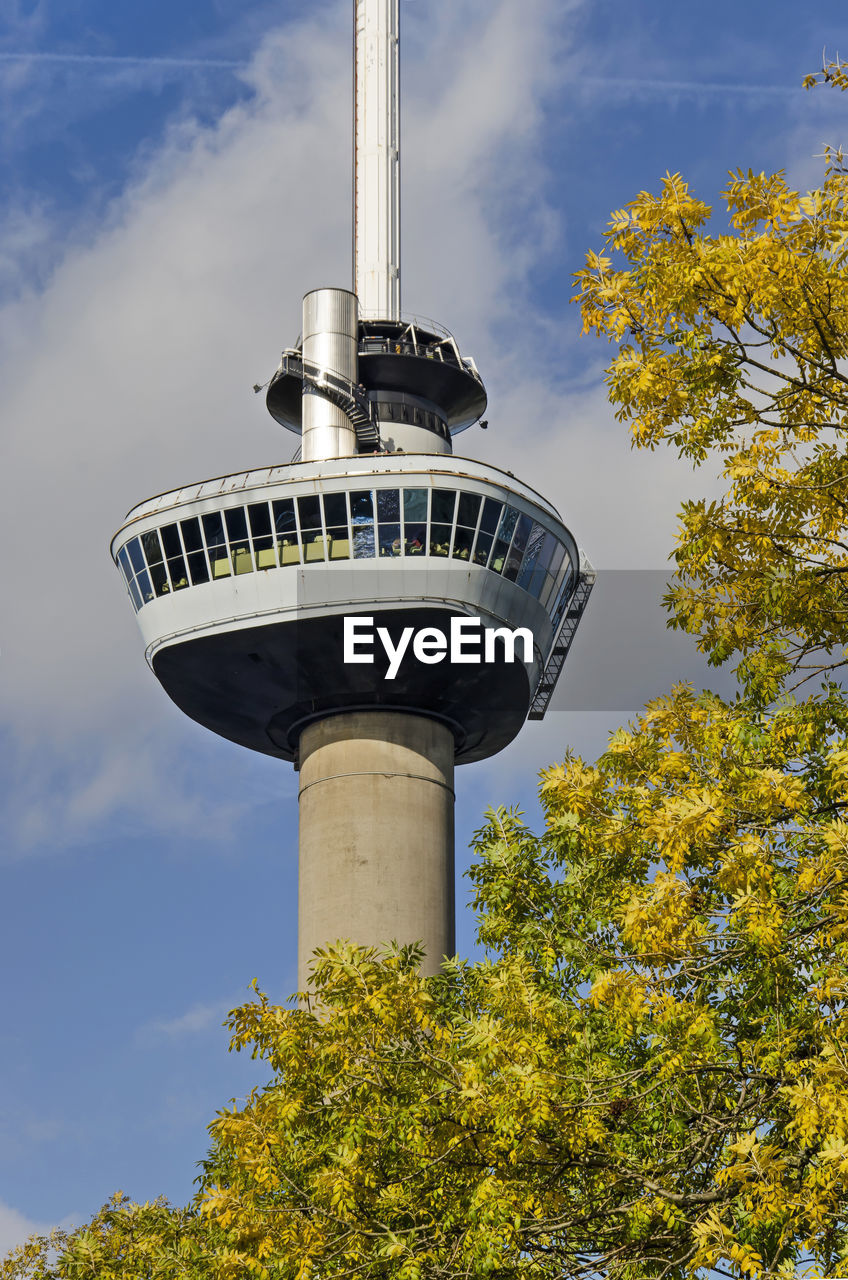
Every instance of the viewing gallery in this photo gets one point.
(353, 524)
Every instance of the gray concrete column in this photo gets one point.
(376, 834)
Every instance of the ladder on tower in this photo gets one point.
(562, 644)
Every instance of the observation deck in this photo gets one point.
(240, 584)
(403, 364)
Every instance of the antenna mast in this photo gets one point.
(376, 228)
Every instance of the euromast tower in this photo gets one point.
(241, 584)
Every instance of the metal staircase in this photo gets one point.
(345, 395)
(562, 644)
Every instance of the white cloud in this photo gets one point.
(131, 373)
(16, 1228)
(199, 1018)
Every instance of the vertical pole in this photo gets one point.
(377, 159)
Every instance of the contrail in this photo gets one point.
(122, 60)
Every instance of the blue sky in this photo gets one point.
(174, 177)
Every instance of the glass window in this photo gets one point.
(264, 551)
(155, 563)
(236, 518)
(285, 527)
(335, 519)
(463, 540)
(309, 512)
(415, 505)
(362, 523)
(136, 595)
(440, 539)
(491, 515)
(259, 516)
(135, 554)
(468, 510)
(388, 505)
(415, 521)
(213, 532)
(193, 543)
(335, 509)
(152, 547)
(444, 502)
(482, 547)
(529, 578)
(516, 551)
(553, 573)
(389, 539)
(174, 551)
(126, 566)
(388, 515)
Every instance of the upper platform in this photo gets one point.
(416, 359)
(240, 585)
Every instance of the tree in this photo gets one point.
(649, 1076)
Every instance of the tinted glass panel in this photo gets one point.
(236, 524)
(159, 578)
(191, 534)
(361, 506)
(124, 562)
(482, 548)
(444, 501)
(363, 540)
(388, 505)
(136, 596)
(260, 519)
(415, 538)
(284, 517)
(415, 505)
(522, 533)
(507, 524)
(171, 541)
(335, 508)
(440, 539)
(491, 513)
(213, 531)
(136, 558)
(389, 539)
(145, 586)
(469, 509)
(309, 511)
(152, 548)
(197, 567)
(498, 555)
(463, 540)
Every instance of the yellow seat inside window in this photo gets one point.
(289, 553)
(266, 558)
(242, 560)
(340, 549)
(314, 550)
(220, 568)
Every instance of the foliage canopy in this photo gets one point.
(649, 1075)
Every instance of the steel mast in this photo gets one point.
(376, 215)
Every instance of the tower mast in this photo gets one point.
(249, 588)
(376, 165)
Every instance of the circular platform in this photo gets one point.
(241, 586)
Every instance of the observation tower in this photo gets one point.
(379, 609)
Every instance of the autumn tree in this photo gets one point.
(648, 1076)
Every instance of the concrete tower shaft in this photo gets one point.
(376, 221)
(376, 834)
